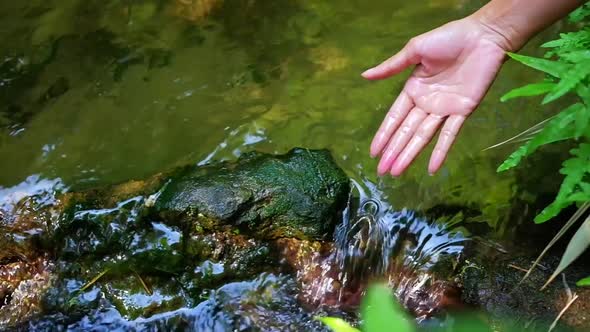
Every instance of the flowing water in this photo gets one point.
(101, 92)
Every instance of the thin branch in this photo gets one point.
(572, 297)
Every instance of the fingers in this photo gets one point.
(400, 139)
(397, 113)
(406, 57)
(422, 137)
(445, 140)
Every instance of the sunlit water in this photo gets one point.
(100, 92)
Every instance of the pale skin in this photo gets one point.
(454, 66)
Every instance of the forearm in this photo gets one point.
(516, 21)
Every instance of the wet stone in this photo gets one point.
(294, 195)
(266, 303)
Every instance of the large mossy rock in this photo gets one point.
(298, 194)
(146, 248)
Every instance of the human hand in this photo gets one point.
(455, 65)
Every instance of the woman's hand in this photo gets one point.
(455, 66)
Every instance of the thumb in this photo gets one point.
(403, 59)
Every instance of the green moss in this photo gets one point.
(298, 194)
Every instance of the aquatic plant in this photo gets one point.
(567, 68)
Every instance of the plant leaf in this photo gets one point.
(578, 244)
(582, 122)
(583, 282)
(572, 220)
(569, 81)
(552, 132)
(337, 324)
(579, 14)
(553, 68)
(534, 89)
(571, 191)
(381, 313)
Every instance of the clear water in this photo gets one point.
(97, 92)
(100, 92)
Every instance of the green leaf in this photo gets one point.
(515, 158)
(575, 169)
(583, 282)
(579, 14)
(380, 313)
(557, 129)
(578, 244)
(569, 81)
(337, 324)
(553, 68)
(582, 122)
(534, 89)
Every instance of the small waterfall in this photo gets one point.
(415, 256)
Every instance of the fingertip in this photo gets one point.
(398, 167)
(383, 167)
(435, 162)
(369, 73)
(374, 150)
(395, 172)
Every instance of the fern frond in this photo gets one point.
(558, 129)
(572, 78)
(581, 13)
(553, 68)
(576, 171)
(529, 90)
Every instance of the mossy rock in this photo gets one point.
(299, 194)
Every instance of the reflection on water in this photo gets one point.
(43, 190)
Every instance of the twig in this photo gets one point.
(567, 306)
(568, 291)
(145, 286)
(518, 268)
(572, 297)
(94, 280)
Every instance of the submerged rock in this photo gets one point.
(266, 303)
(295, 195)
(494, 285)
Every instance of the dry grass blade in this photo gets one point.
(145, 286)
(94, 280)
(564, 229)
(572, 297)
(531, 131)
(578, 244)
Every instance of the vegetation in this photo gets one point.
(380, 313)
(567, 65)
(567, 68)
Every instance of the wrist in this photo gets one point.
(498, 30)
(513, 22)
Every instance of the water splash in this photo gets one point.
(417, 257)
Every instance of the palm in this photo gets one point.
(455, 65)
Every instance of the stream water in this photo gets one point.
(101, 92)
